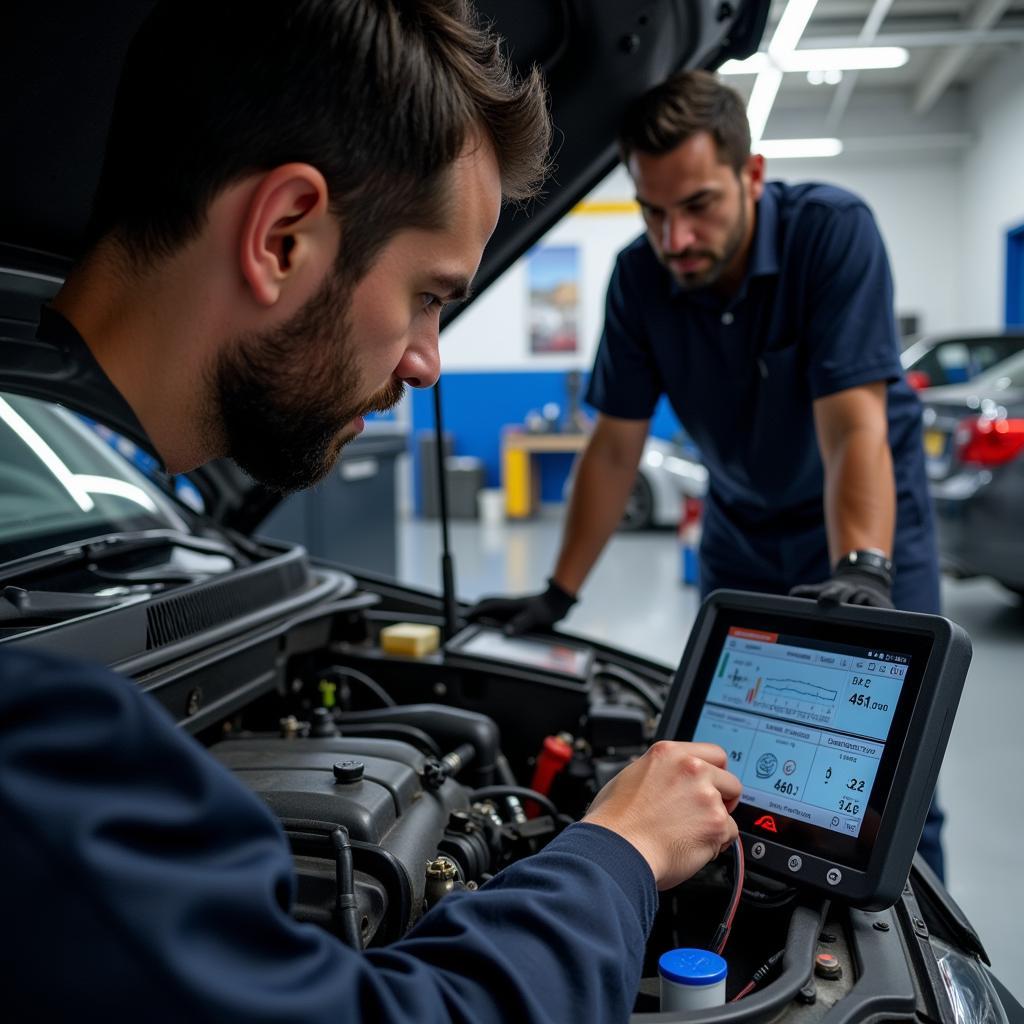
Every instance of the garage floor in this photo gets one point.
(634, 600)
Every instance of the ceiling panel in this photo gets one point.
(950, 44)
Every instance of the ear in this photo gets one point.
(754, 172)
(288, 232)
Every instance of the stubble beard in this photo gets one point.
(284, 397)
(720, 261)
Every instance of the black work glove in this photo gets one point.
(523, 614)
(849, 585)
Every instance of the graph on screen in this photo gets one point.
(792, 691)
(816, 688)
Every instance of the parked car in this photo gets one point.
(669, 479)
(670, 472)
(974, 444)
(263, 653)
(938, 360)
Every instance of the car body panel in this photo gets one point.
(978, 507)
(674, 473)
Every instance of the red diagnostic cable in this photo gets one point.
(746, 990)
(722, 934)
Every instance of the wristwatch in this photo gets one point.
(869, 560)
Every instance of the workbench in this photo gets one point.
(520, 469)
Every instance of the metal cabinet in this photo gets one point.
(351, 516)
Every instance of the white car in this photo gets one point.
(668, 474)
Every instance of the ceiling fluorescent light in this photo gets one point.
(766, 86)
(753, 65)
(791, 26)
(792, 149)
(46, 455)
(759, 106)
(118, 488)
(854, 58)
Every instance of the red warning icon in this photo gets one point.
(767, 822)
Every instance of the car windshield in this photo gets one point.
(958, 360)
(1007, 374)
(62, 483)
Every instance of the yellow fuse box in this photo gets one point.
(411, 639)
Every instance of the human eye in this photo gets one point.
(431, 303)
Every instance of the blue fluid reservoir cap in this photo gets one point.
(692, 967)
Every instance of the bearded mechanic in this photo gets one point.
(272, 240)
(764, 311)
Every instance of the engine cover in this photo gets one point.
(394, 823)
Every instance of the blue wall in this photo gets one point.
(1015, 277)
(477, 406)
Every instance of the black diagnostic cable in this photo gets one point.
(391, 731)
(760, 897)
(522, 793)
(759, 975)
(346, 905)
(723, 930)
(632, 682)
(337, 673)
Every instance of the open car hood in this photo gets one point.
(57, 84)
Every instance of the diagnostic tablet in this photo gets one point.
(835, 721)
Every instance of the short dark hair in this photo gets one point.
(682, 106)
(380, 96)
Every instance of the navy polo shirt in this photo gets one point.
(813, 316)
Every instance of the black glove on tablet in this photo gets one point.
(524, 614)
(849, 585)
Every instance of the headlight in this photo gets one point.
(973, 996)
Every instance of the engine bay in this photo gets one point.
(399, 780)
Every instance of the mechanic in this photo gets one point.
(764, 311)
(290, 193)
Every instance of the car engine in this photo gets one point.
(379, 827)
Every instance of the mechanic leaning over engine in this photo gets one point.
(764, 311)
(291, 192)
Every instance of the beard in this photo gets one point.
(284, 396)
(719, 261)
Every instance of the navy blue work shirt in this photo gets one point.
(141, 881)
(812, 316)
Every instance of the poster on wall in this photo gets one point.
(553, 273)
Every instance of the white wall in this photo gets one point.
(993, 191)
(493, 334)
(916, 201)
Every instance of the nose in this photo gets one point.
(420, 365)
(677, 233)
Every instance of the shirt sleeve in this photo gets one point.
(143, 881)
(850, 324)
(625, 381)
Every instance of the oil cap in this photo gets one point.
(691, 979)
(827, 966)
(348, 771)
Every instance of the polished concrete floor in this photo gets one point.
(634, 600)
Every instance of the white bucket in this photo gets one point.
(490, 502)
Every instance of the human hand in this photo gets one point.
(849, 585)
(673, 805)
(523, 614)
